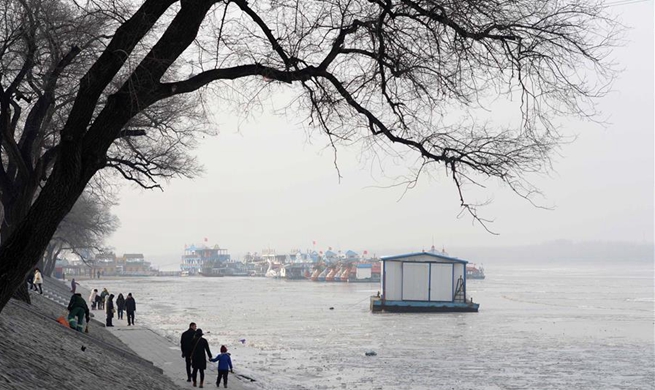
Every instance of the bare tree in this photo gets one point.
(46, 46)
(387, 72)
(85, 227)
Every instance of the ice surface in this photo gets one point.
(566, 326)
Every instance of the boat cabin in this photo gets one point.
(423, 282)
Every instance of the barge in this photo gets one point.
(423, 282)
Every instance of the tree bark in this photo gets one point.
(22, 294)
(49, 260)
(24, 248)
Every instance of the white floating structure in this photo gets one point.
(423, 282)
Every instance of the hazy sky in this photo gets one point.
(267, 185)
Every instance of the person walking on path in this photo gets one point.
(38, 281)
(120, 305)
(224, 364)
(77, 312)
(130, 308)
(74, 285)
(109, 309)
(198, 361)
(92, 298)
(186, 344)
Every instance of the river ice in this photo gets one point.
(561, 326)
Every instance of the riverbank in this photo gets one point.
(36, 352)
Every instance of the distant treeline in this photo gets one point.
(561, 250)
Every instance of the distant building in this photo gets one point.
(195, 258)
(133, 264)
(105, 263)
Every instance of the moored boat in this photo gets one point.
(201, 260)
(295, 270)
(365, 273)
(437, 284)
(323, 275)
(330, 275)
(474, 272)
(343, 277)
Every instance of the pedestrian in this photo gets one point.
(109, 309)
(93, 298)
(38, 281)
(77, 312)
(103, 295)
(30, 281)
(224, 363)
(198, 361)
(130, 308)
(98, 301)
(186, 344)
(120, 305)
(74, 285)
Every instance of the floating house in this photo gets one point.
(423, 282)
(365, 273)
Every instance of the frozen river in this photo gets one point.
(563, 326)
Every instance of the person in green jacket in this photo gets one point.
(77, 312)
(103, 295)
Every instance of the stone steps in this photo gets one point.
(55, 296)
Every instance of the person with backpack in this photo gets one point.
(224, 363)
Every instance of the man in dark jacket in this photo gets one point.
(109, 308)
(77, 310)
(186, 343)
(120, 306)
(130, 308)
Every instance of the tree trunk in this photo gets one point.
(24, 248)
(15, 210)
(22, 294)
(49, 260)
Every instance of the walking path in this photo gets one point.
(165, 355)
(144, 342)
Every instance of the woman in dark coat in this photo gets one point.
(109, 309)
(198, 361)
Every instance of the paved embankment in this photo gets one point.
(36, 352)
(163, 354)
